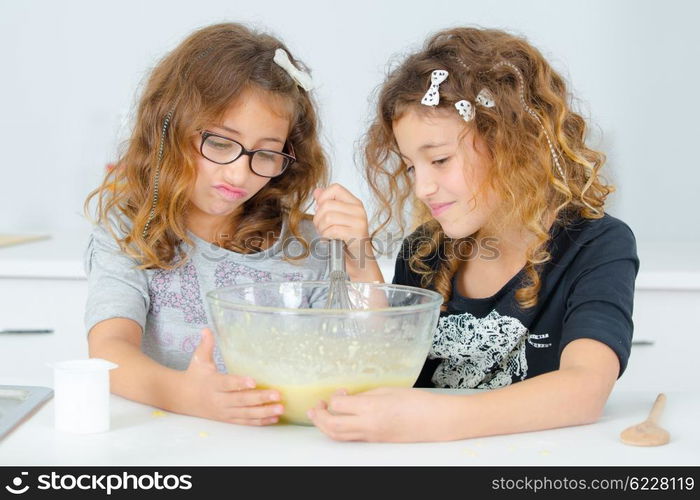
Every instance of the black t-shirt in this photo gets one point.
(587, 292)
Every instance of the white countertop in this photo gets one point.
(140, 435)
(59, 257)
(664, 266)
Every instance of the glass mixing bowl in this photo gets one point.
(280, 334)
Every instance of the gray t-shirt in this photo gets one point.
(170, 305)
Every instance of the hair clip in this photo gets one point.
(465, 110)
(485, 98)
(432, 96)
(302, 78)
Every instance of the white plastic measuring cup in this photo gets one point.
(81, 395)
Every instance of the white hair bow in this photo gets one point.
(302, 78)
(432, 96)
(466, 110)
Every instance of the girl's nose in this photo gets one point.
(238, 172)
(424, 185)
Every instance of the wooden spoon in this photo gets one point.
(648, 433)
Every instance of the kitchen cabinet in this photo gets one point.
(42, 286)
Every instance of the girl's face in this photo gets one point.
(219, 190)
(449, 172)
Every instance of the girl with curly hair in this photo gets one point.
(475, 135)
(211, 190)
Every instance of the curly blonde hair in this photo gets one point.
(195, 84)
(521, 169)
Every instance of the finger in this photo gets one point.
(229, 383)
(204, 353)
(321, 405)
(255, 412)
(327, 219)
(340, 404)
(354, 205)
(337, 192)
(255, 422)
(335, 206)
(338, 427)
(249, 398)
(341, 206)
(356, 215)
(337, 232)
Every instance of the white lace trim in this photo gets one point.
(481, 353)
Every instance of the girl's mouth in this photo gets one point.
(438, 208)
(230, 193)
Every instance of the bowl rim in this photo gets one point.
(437, 300)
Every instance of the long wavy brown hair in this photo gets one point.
(521, 169)
(196, 83)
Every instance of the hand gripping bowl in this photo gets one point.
(280, 334)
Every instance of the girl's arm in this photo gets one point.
(200, 390)
(138, 377)
(574, 394)
(367, 270)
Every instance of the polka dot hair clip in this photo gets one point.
(464, 107)
(432, 96)
(486, 99)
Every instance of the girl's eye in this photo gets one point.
(410, 169)
(220, 144)
(267, 156)
(441, 161)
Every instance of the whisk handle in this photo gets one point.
(337, 257)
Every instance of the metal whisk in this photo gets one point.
(338, 297)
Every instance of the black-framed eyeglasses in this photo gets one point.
(263, 162)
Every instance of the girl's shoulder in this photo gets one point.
(583, 245)
(104, 253)
(114, 227)
(606, 232)
(107, 240)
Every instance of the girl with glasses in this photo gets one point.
(211, 190)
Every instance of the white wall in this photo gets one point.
(70, 70)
